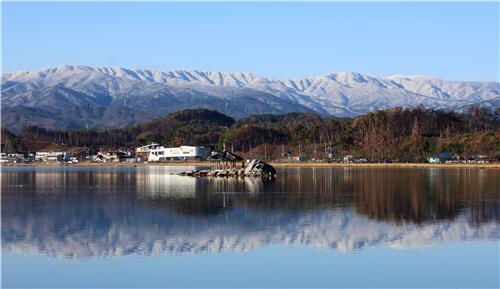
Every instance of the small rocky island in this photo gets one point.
(255, 168)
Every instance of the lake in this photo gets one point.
(310, 227)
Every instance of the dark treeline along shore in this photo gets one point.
(397, 135)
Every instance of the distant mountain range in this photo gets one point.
(341, 230)
(77, 96)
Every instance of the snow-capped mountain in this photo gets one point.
(151, 232)
(72, 96)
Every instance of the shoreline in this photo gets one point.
(387, 165)
(275, 164)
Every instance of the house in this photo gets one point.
(114, 156)
(178, 153)
(142, 153)
(13, 158)
(478, 159)
(17, 157)
(74, 160)
(126, 156)
(457, 159)
(4, 158)
(350, 159)
(301, 158)
(439, 158)
(53, 156)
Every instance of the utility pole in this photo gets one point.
(326, 156)
(315, 152)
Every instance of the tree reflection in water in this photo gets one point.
(94, 212)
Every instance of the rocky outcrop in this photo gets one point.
(256, 168)
(259, 168)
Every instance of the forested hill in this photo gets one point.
(395, 134)
(187, 127)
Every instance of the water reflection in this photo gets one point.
(84, 212)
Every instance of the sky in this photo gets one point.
(453, 41)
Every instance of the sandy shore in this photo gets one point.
(278, 165)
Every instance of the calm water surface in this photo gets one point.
(328, 227)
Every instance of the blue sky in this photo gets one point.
(454, 41)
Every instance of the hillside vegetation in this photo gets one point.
(404, 135)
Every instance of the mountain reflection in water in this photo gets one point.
(84, 211)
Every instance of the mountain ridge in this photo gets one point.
(154, 92)
(151, 71)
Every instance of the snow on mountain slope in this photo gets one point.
(341, 229)
(450, 90)
(343, 94)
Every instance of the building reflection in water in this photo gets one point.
(78, 212)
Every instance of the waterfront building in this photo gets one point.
(178, 153)
(439, 158)
(114, 156)
(53, 156)
(351, 159)
(4, 158)
(142, 153)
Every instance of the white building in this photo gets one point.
(147, 148)
(4, 158)
(142, 153)
(180, 153)
(350, 159)
(52, 156)
(114, 156)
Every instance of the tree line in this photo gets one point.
(394, 134)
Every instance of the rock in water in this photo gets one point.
(259, 168)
